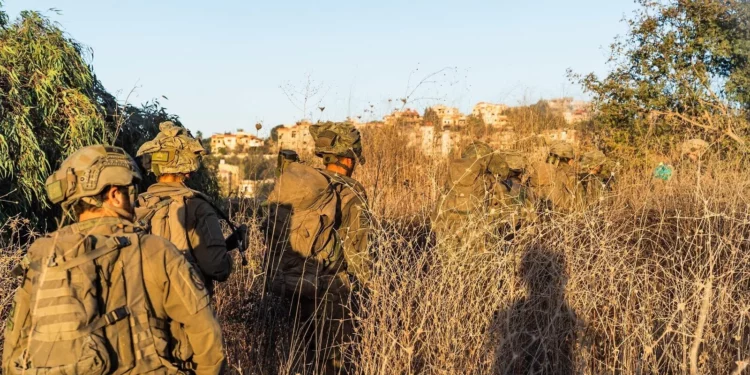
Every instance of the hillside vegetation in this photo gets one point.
(654, 278)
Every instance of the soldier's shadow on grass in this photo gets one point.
(537, 334)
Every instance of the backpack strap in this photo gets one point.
(112, 244)
(138, 301)
(58, 271)
(145, 221)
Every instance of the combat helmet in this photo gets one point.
(173, 151)
(563, 150)
(476, 149)
(87, 172)
(337, 139)
(517, 163)
(592, 159)
(695, 147)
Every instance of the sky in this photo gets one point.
(224, 65)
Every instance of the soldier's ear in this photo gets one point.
(117, 197)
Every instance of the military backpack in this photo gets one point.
(88, 310)
(305, 214)
(166, 215)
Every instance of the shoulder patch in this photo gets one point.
(197, 279)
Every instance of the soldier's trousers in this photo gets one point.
(322, 308)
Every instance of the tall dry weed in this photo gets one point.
(651, 279)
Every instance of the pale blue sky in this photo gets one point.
(221, 62)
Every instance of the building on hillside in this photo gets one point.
(572, 110)
(449, 116)
(491, 113)
(433, 142)
(235, 142)
(296, 137)
(229, 177)
(252, 188)
(407, 117)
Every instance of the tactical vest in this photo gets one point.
(88, 308)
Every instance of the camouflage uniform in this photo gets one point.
(555, 182)
(318, 234)
(189, 220)
(97, 296)
(474, 195)
(519, 194)
(596, 175)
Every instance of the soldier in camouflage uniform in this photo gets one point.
(596, 175)
(520, 196)
(318, 234)
(555, 182)
(98, 295)
(184, 216)
(474, 194)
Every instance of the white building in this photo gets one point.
(491, 113)
(449, 116)
(296, 137)
(235, 142)
(229, 176)
(251, 188)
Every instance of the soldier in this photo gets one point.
(554, 181)
(318, 235)
(519, 193)
(474, 194)
(596, 175)
(97, 296)
(184, 216)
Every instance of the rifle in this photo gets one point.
(240, 233)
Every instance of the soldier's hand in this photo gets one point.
(238, 239)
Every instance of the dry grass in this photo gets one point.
(653, 279)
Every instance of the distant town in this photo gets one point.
(245, 161)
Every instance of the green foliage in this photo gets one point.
(136, 125)
(3, 16)
(52, 104)
(739, 79)
(48, 109)
(681, 71)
